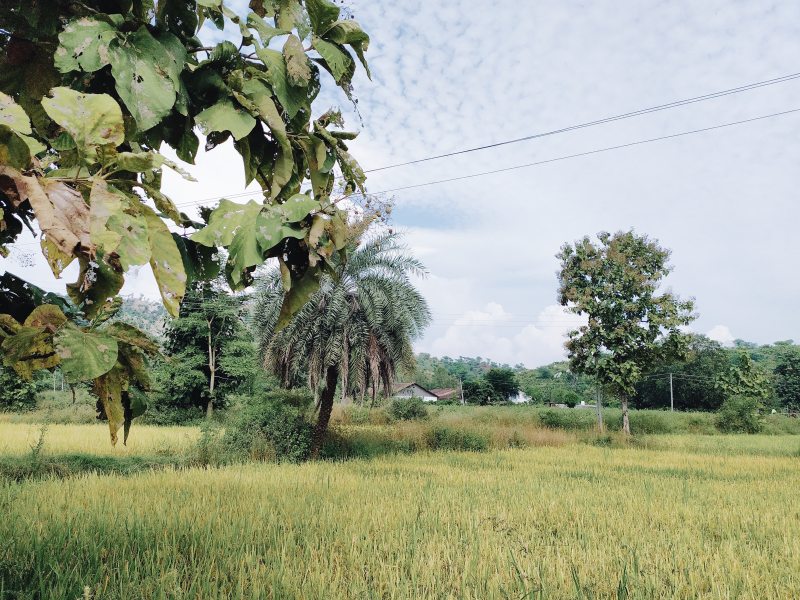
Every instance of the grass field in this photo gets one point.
(676, 516)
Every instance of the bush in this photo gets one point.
(448, 438)
(16, 394)
(569, 419)
(273, 426)
(740, 414)
(649, 422)
(408, 409)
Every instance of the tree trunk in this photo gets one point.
(325, 408)
(212, 370)
(626, 425)
(599, 406)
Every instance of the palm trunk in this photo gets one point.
(325, 408)
(626, 425)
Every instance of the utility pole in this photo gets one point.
(671, 397)
(461, 388)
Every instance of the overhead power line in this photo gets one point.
(628, 115)
(536, 163)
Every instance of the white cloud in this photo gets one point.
(492, 332)
(721, 334)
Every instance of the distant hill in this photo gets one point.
(148, 315)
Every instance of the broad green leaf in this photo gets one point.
(57, 259)
(289, 14)
(145, 74)
(259, 94)
(350, 32)
(115, 226)
(272, 229)
(302, 289)
(163, 203)
(322, 14)
(85, 355)
(48, 316)
(291, 98)
(108, 388)
(224, 116)
(166, 262)
(225, 221)
(265, 31)
(97, 281)
(13, 149)
(132, 336)
(297, 207)
(337, 60)
(298, 72)
(14, 116)
(29, 349)
(84, 45)
(91, 119)
(136, 162)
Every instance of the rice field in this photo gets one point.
(671, 518)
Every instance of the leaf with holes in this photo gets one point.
(224, 116)
(85, 355)
(145, 75)
(166, 261)
(84, 45)
(91, 119)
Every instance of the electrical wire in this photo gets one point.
(628, 115)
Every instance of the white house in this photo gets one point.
(412, 390)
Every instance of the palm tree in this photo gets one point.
(356, 330)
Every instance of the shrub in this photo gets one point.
(740, 414)
(273, 426)
(16, 394)
(569, 419)
(408, 409)
(448, 438)
(649, 422)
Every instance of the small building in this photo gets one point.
(412, 390)
(446, 393)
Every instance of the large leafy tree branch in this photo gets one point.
(89, 94)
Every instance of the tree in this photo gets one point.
(787, 379)
(479, 391)
(89, 94)
(631, 327)
(693, 382)
(355, 331)
(744, 378)
(504, 383)
(208, 348)
(15, 393)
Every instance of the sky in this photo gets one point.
(446, 79)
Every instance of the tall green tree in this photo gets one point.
(503, 381)
(356, 329)
(787, 378)
(91, 91)
(630, 327)
(208, 349)
(694, 378)
(744, 378)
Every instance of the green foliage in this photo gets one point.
(503, 381)
(630, 326)
(356, 328)
(408, 409)
(479, 391)
(787, 379)
(16, 393)
(741, 414)
(744, 378)
(451, 438)
(272, 426)
(89, 94)
(209, 353)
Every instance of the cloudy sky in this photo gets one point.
(445, 79)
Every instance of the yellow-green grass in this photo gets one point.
(19, 438)
(553, 522)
